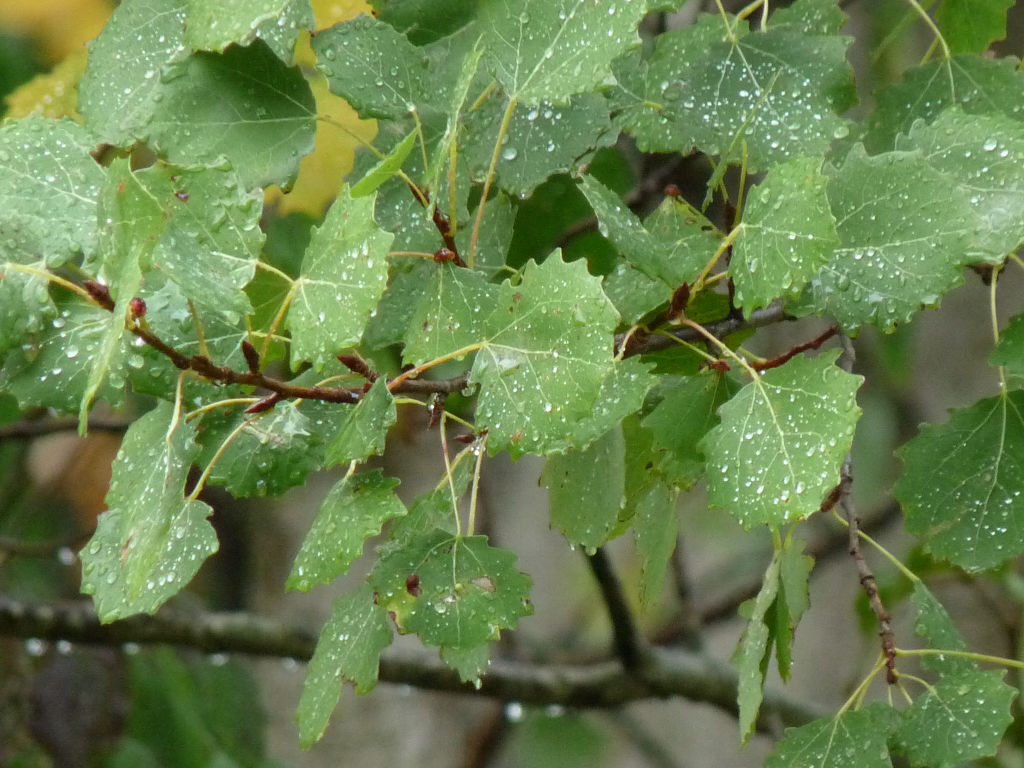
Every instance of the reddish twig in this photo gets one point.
(442, 222)
(814, 343)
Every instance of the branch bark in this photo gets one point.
(667, 673)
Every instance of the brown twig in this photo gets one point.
(628, 644)
(814, 343)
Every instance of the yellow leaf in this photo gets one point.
(52, 94)
(60, 27)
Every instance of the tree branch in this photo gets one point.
(628, 643)
(697, 677)
(40, 427)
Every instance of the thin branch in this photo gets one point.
(629, 646)
(697, 677)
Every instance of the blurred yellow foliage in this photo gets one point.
(53, 94)
(60, 27)
(339, 131)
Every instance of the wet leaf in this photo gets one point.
(541, 50)
(754, 649)
(779, 90)
(213, 25)
(933, 623)
(786, 235)
(852, 739)
(365, 427)
(343, 276)
(586, 490)
(349, 648)
(467, 591)
(778, 450)
(980, 156)
(470, 663)
(388, 166)
(980, 85)
(961, 484)
(1009, 352)
(903, 234)
(970, 709)
(354, 510)
(151, 540)
(655, 529)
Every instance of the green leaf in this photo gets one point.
(53, 370)
(686, 413)
(436, 508)
(544, 348)
(932, 622)
(470, 663)
(540, 141)
(786, 235)
(542, 50)
(981, 86)
(980, 156)
(425, 21)
(751, 655)
(622, 392)
(970, 26)
(388, 166)
(374, 67)
(851, 739)
(349, 648)
(132, 223)
(467, 591)
(365, 428)
(213, 25)
(49, 184)
(960, 488)
(777, 453)
(496, 230)
(586, 490)
(355, 509)
(970, 709)
(409, 281)
(141, 45)
(212, 239)
(343, 276)
(793, 600)
(272, 452)
(1009, 352)
(903, 234)
(708, 87)
(207, 113)
(655, 529)
(151, 540)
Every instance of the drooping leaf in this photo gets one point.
(852, 739)
(777, 452)
(714, 88)
(132, 223)
(960, 488)
(540, 141)
(365, 427)
(787, 233)
(978, 84)
(971, 709)
(435, 509)
(208, 112)
(425, 21)
(541, 50)
(349, 648)
(343, 276)
(622, 392)
(655, 529)
(979, 155)
(496, 230)
(970, 26)
(791, 603)
(274, 450)
(752, 653)
(152, 539)
(903, 235)
(354, 510)
(465, 590)
(586, 490)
